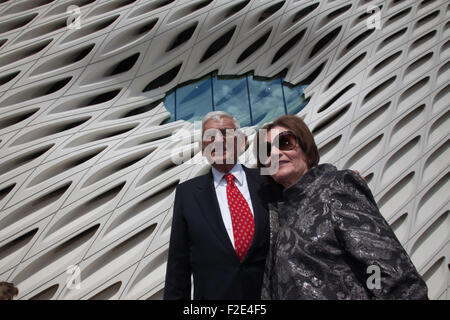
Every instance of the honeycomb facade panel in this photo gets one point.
(90, 161)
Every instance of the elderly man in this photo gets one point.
(220, 228)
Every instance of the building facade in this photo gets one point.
(99, 109)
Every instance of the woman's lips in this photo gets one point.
(282, 162)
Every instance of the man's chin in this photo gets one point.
(220, 161)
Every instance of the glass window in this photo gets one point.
(295, 98)
(231, 95)
(266, 99)
(169, 103)
(252, 101)
(194, 100)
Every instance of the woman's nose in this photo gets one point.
(274, 151)
(274, 155)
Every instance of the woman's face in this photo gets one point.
(292, 164)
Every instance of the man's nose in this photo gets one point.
(219, 137)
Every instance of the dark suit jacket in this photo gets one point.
(199, 244)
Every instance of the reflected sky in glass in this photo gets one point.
(169, 103)
(194, 100)
(266, 99)
(231, 95)
(251, 101)
(295, 98)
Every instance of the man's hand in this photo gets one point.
(359, 174)
(8, 291)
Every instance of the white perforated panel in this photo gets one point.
(86, 176)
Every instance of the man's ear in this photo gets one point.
(242, 141)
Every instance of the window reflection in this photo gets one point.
(266, 99)
(169, 103)
(194, 101)
(295, 98)
(253, 101)
(231, 95)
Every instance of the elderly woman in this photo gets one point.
(328, 239)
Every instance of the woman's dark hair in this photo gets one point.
(300, 129)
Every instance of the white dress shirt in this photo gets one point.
(220, 185)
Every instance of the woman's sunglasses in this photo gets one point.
(287, 140)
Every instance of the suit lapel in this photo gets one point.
(207, 199)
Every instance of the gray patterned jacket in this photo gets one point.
(328, 240)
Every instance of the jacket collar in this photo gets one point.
(301, 185)
(237, 171)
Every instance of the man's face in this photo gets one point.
(220, 141)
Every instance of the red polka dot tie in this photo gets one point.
(241, 218)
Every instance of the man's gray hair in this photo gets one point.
(217, 115)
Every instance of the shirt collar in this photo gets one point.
(237, 171)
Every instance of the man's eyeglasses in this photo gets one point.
(211, 134)
(287, 140)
